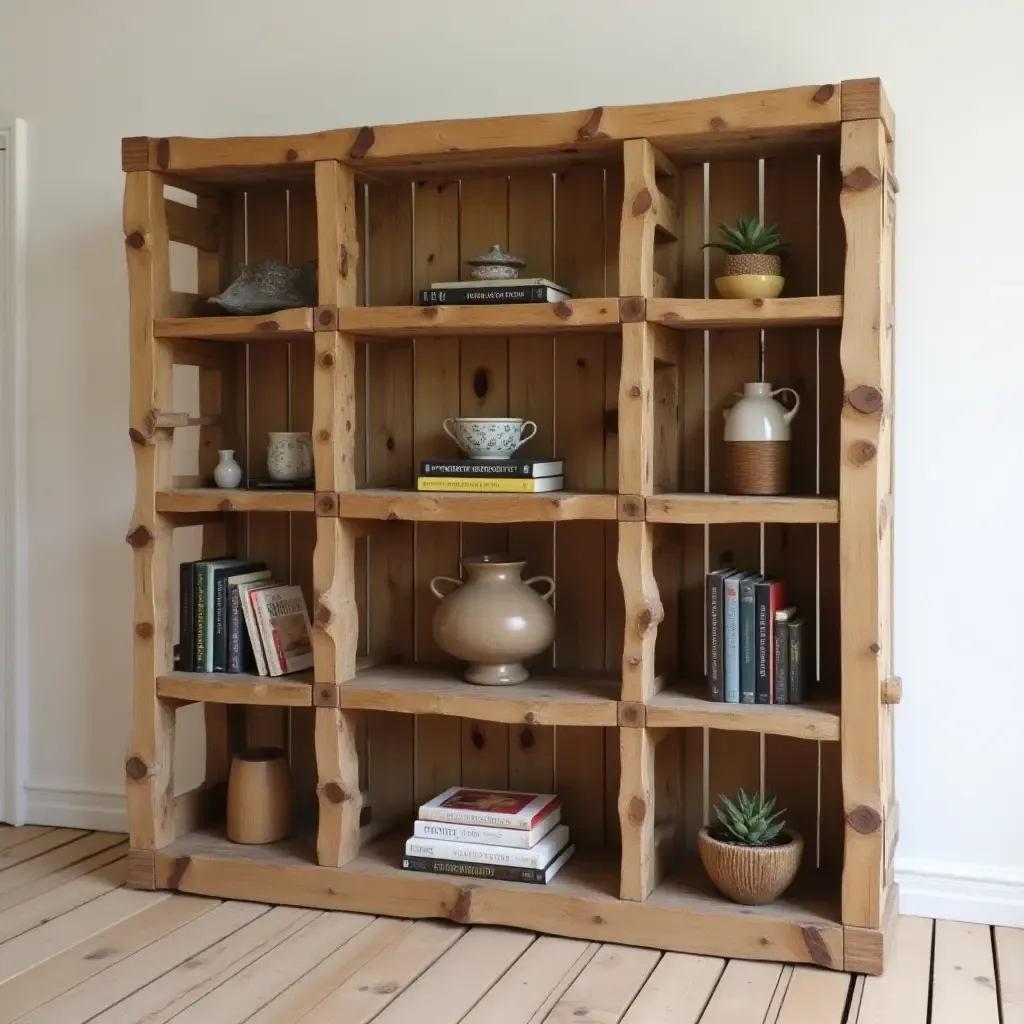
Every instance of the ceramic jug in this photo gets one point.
(493, 619)
(758, 417)
(290, 455)
(757, 440)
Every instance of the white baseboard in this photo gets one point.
(961, 892)
(103, 811)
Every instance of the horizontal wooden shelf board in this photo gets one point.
(214, 499)
(293, 691)
(682, 914)
(441, 507)
(687, 706)
(722, 314)
(503, 320)
(287, 325)
(741, 508)
(558, 699)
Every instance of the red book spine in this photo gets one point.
(282, 661)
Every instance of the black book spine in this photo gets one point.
(763, 625)
(483, 470)
(200, 617)
(501, 873)
(797, 657)
(186, 624)
(781, 662)
(748, 640)
(220, 621)
(716, 645)
(236, 632)
(483, 296)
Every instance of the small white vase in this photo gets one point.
(227, 473)
(290, 455)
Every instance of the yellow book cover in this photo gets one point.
(489, 485)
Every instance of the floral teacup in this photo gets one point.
(487, 437)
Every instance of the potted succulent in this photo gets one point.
(750, 855)
(753, 260)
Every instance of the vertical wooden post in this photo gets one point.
(335, 617)
(636, 813)
(864, 483)
(148, 762)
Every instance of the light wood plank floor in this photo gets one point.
(76, 945)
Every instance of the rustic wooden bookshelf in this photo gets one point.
(627, 382)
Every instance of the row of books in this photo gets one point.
(234, 617)
(489, 833)
(492, 293)
(756, 644)
(483, 476)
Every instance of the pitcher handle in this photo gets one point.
(523, 440)
(790, 413)
(542, 579)
(447, 430)
(442, 579)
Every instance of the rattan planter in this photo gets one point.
(757, 467)
(751, 263)
(751, 874)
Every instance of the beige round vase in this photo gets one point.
(493, 619)
(259, 797)
(751, 874)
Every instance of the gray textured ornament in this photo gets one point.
(268, 287)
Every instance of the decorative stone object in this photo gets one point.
(495, 266)
(268, 287)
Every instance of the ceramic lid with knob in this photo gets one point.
(758, 417)
(496, 258)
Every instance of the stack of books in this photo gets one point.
(756, 644)
(492, 293)
(495, 477)
(488, 833)
(235, 618)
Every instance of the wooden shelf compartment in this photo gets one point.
(215, 499)
(683, 914)
(287, 325)
(743, 314)
(740, 508)
(293, 691)
(686, 706)
(520, 318)
(547, 699)
(442, 507)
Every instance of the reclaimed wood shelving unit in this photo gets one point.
(627, 382)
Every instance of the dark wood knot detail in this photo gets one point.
(325, 695)
(177, 873)
(323, 435)
(335, 793)
(476, 737)
(163, 153)
(268, 326)
(634, 662)
(632, 309)
(291, 155)
(874, 647)
(462, 912)
(526, 739)
(860, 179)
(327, 503)
(140, 537)
(138, 437)
(642, 202)
(637, 810)
(563, 310)
(136, 240)
(325, 317)
(865, 820)
(716, 124)
(630, 714)
(648, 618)
(865, 398)
(824, 94)
(530, 718)
(862, 452)
(323, 616)
(635, 391)
(327, 360)
(363, 144)
(592, 126)
(144, 630)
(343, 260)
(135, 768)
(429, 312)
(227, 505)
(816, 946)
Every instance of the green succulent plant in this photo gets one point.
(749, 236)
(752, 822)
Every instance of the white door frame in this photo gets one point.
(13, 492)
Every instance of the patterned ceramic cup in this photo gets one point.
(290, 455)
(489, 437)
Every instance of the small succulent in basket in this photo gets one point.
(753, 260)
(750, 855)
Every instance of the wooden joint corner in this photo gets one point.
(591, 128)
(632, 309)
(326, 504)
(864, 99)
(325, 318)
(138, 153)
(632, 714)
(630, 508)
(892, 690)
(141, 869)
(326, 695)
(363, 144)
(462, 912)
(176, 875)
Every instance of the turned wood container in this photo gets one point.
(751, 875)
(757, 467)
(259, 797)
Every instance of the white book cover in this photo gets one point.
(519, 282)
(479, 853)
(284, 628)
(495, 807)
(557, 865)
(252, 626)
(517, 839)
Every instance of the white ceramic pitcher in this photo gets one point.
(758, 417)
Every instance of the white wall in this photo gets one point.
(85, 72)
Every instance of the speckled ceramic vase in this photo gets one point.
(290, 455)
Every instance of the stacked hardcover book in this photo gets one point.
(492, 293)
(499, 476)
(235, 618)
(756, 644)
(487, 833)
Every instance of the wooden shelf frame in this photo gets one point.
(636, 897)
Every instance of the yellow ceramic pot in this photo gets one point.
(750, 286)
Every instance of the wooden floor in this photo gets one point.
(76, 945)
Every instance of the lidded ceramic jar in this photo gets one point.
(757, 438)
(493, 619)
(495, 266)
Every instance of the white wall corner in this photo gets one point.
(102, 810)
(961, 892)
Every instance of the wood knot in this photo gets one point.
(874, 647)
(144, 630)
(597, 919)
(635, 392)
(530, 718)
(227, 505)
(824, 94)
(862, 452)
(860, 179)
(633, 662)
(563, 310)
(135, 768)
(629, 714)
(632, 309)
(267, 326)
(323, 616)
(864, 820)
(462, 912)
(291, 155)
(476, 737)
(177, 872)
(363, 144)
(429, 312)
(325, 317)
(327, 360)
(642, 202)
(138, 437)
(592, 126)
(325, 695)
(647, 618)
(327, 503)
(343, 260)
(140, 537)
(335, 794)
(637, 810)
(631, 510)
(526, 739)
(816, 946)
(865, 398)
(136, 240)
(323, 435)
(716, 124)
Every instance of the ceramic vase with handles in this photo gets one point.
(493, 619)
(757, 438)
(290, 455)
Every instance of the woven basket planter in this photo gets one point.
(751, 263)
(751, 874)
(757, 467)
